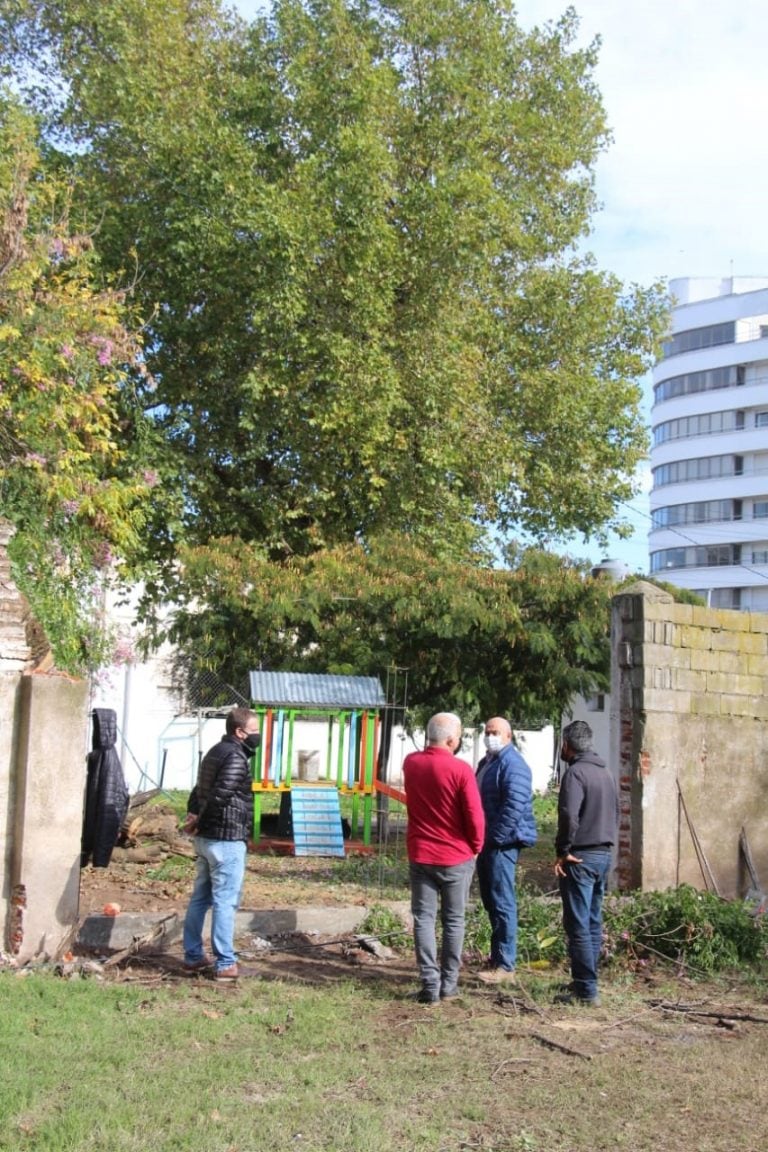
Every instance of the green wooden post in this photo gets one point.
(342, 719)
(258, 777)
(358, 777)
(370, 744)
(289, 761)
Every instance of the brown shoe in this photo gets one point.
(498, 976)
(193, 966)
(230, 973)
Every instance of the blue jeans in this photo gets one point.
(218, 883)
(496, 869)
(582, 891)
(447, 884)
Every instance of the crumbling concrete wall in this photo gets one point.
(689, 704)
(43, 736)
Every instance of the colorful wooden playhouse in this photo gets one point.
(343, 715)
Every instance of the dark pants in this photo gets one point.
(496, 868)
(582, 891)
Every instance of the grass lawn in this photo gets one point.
(341, 1060)
(95, 1066)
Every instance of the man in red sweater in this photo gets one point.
(446, 827)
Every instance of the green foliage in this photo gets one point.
(68, 484)
(540, 939)
(545, 815)
(386, 925)
(700, 932)
(680, 595)
(476, 639)
(356, 253)
(384, 872)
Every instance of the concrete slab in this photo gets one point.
(107, 934)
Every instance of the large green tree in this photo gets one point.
(355, 227)
(355, 231)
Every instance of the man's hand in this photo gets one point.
(562, 861)
(190, 824)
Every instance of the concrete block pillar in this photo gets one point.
(42, 794)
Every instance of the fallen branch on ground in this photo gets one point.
(559, 1047)
(160, 929)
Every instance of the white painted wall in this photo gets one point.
(154, 732)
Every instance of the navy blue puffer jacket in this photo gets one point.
(506, 791)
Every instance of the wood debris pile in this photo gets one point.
(150, 833)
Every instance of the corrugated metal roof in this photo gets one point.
(306, 690)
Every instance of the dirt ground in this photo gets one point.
(149, 875)
(687, 1059)
(153, 872)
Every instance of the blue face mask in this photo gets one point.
(252, 741)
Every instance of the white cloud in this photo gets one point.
(684, 91)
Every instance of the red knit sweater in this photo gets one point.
(445, 817)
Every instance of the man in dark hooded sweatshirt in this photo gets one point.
(587, 830)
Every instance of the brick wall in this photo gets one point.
(690, 704)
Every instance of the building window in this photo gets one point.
(725, 598)
(669, 558)
(704, 424)
(759, 509)
(760, 555)
(697, 468)
(701, 556)
(702, 512)
(709, 337)
(717, 555)
(705, 381)
(761, 420)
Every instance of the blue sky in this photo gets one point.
(683, 185)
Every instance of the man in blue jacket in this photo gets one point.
(504, 780)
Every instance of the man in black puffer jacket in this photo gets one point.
(219, 816)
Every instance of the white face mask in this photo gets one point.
(492, 743)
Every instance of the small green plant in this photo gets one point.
(386, 925)
(172, 868)
(545, 813)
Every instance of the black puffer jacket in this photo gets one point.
(106, 794)
(222, 799)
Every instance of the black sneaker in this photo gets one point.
(427, 998)
(582, 1001)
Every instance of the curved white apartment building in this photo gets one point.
(709, 459)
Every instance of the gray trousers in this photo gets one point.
(447, 885)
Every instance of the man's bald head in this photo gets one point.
(498, 726)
